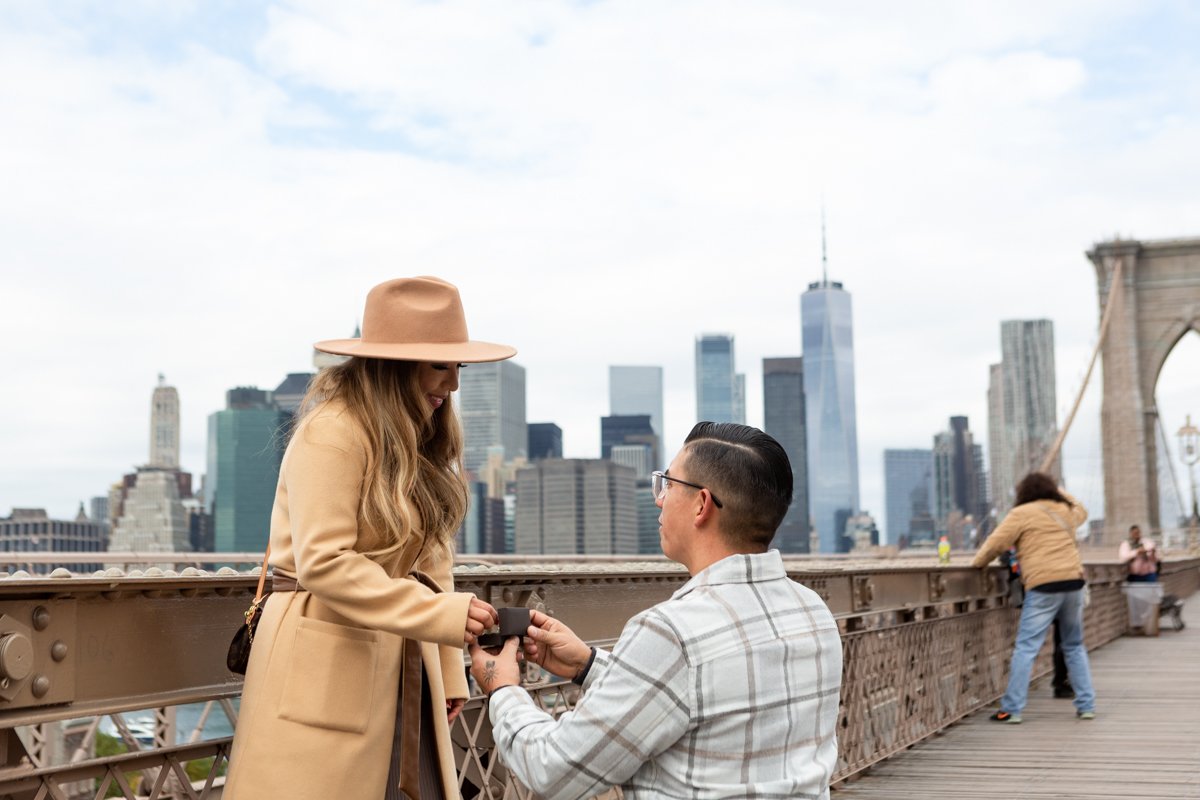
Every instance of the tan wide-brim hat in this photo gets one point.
(416, 319)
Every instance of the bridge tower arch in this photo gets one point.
(1157, 304)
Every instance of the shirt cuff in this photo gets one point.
(581, 676)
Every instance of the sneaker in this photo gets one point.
(1085, 714)
(1004, 716)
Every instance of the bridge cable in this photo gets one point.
(1114, 292)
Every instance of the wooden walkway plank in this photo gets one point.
(1144, 742)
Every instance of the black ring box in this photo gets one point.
(514, 621)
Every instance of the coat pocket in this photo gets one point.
(331, 680)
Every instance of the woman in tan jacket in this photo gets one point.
(357, 666)
(1042, 528)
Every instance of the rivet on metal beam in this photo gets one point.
(41, 618)
(40, 686)
(58, 650)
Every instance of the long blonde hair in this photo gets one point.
(414, 483)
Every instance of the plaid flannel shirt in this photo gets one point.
(728, 689)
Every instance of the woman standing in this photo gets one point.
(357, 665)
(1042, 528)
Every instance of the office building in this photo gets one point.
(960, 498)
(98, 510)
(862, 532)
(245, 445)
(1022, 406)
(908, 490)
(827, 347)
(637, 390)
(164, 426)
(648, 538)
(739, 398)
(146, 507)
(491, 404)
(632, 429)
(482, 529)
(576, 506)
(30, 530)
(638, 457)
(717, 384)
(783, 418)
(545, 441)
(150, 514)
(290, 393)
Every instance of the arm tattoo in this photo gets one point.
(489, 673)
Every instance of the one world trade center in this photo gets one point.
(827, 343)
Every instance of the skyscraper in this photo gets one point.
(960, 498)
(827, 346)
(908, 487)
(1025, 410)
(637, 390)
(290, 392)
(147, 506)
(632, 429)
(491, 402)
(717, 387)
(545, 441)
(783, 418)
(164, 426)
(576, 506)
(245, 445)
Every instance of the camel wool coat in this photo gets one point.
(319, 702)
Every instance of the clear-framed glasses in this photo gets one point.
(658, 485)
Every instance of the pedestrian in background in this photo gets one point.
(1041, 527)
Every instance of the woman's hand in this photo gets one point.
(554, 647)
(480, 617)
(454, 706)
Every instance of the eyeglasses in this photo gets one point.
(658, 485)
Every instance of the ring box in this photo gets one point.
(514, 621)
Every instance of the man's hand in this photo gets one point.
(480, 617)
(494, 671)
(454, 707)
(554, 647)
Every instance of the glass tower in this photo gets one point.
(637, 390)
(827, 346)
(244, 451)
(783, 418)
(908, 488)
(716, 385)
(491, 400)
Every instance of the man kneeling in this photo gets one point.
(730, 688)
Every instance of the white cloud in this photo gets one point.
(605, 181)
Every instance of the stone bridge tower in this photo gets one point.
(1158, 302)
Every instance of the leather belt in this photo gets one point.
(285, 583)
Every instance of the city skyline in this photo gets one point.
(231, 184)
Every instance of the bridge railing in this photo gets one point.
(112, 662)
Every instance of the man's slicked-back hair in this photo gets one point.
(750, 473)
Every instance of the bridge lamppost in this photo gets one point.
(1189, 452)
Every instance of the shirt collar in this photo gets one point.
(738, 568)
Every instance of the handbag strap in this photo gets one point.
(262, 576)
(252, 612)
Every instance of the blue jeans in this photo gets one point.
(1039, 611)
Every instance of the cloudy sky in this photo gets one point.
(203, 189)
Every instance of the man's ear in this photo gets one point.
(707, 511)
